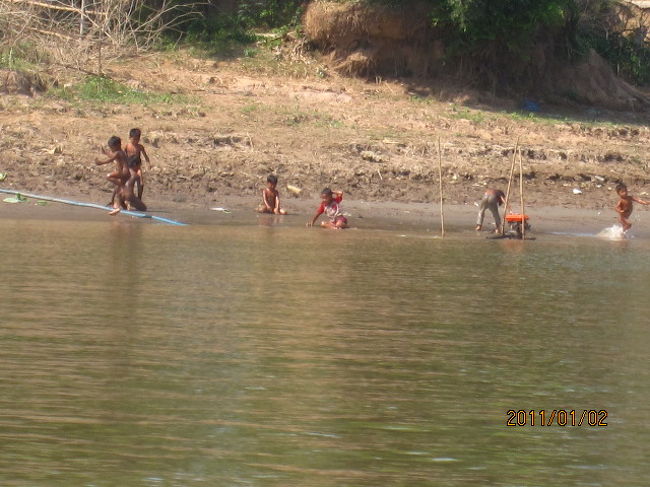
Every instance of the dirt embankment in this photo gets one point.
(361, 39)
(376, 140)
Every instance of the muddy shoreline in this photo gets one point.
(377, 142)
(420, 218)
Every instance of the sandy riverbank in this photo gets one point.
(363, 215)
(240, 120)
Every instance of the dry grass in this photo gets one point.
(364, 41)
(372, 140)
(328, 22)
(86, 40)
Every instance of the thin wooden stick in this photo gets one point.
(82, 19)
(442, 208)
(80, 11)
(100, 71)
(51, 33)
(512, 170)
(521, 194)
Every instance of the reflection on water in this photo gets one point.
(136, 354)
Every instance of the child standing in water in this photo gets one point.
(120, 176)
(271, 197)
(492, 199)
(134, 153)
(625, 205)
(330, 205)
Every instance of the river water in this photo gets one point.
(137, 354)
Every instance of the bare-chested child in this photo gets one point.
(271, 198)
(330, 205)
(134, 153)
(625, 205)
(120, 176)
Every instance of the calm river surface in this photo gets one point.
(136, 354)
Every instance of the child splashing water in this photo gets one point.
(624, 209)
(625, 206)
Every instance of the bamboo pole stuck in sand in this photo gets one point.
(521, 194)
(442, 208)
(512, 170)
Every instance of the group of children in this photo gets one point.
(129, 186)
(330, 205)
(128, 175)
(491, 200)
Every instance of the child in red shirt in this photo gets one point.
(330, 206)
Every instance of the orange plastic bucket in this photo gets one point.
(514, 217)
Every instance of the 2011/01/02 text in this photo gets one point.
(559, 417)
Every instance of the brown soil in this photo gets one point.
(376, 141)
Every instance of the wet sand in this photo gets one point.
(460, 220)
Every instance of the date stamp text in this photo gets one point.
(558, 417)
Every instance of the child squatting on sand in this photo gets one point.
(625, 205)
(330, 206)
(271, 198)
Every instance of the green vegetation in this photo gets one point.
(262, 61)
(249, 109)
(629, 58)
(106, 90)
(475, 116)
(296, 117)
(291, 116)
(269, 13)
(9, 61)
(224, 32)
(494, 43)
(22, 56)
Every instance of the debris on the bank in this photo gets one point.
(19, 198)
(222, 210)
(368, 155)
(3, 176)
(576, 191)
(294, 190)
(530, 106)
(57, 149)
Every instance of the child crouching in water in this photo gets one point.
(271, 197)
(330, 206)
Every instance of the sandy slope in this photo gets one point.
(374, 140)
